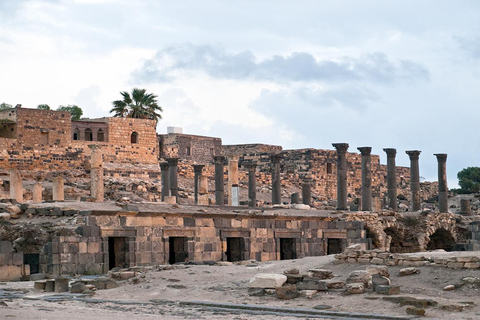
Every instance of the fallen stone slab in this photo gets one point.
(267, 280)
(378, 280)
(415, 311)
(359, 276)
(408, 271)
(334, 284)
(308, 284)
(104, 283)
(294, 278)
(381, 270)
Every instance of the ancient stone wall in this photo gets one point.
(194, 148)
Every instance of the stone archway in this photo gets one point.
(376, 244)
(441, 239)
(396, 239)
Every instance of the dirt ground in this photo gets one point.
(229, 284)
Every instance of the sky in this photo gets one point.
(300, 74)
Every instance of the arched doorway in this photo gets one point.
(88, 135)
(369, 234)
(100, 135)
(396, 243)
(441, 239)
(134, 137)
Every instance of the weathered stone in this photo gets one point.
(105, 283)
(335, 284)
(450, 287)
(387, 289)
(78, 287)
(256, 292)
(378, 280)
(61, 284)
(312, 285)
(123, 275)
(267, 280)
(381, 270)
(291, 271)
(472, 265)
(320, 273)
(39, 286)
(408, 271)
(355, 288)
(415, 311)
(294, 278)
(359, 276)
(287, 292)
(468, 259)
(309, 294)
(455, 265)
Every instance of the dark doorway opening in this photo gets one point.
(178, 249)
(441, 239)
(288, 249)
(334, 246)
(32, 259)
(117, 252)
(235, 249)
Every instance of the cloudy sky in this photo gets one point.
(300, 74)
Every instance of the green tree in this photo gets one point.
(43, 107)
(74, 110)
(4, 106)
(138, 104)
(469, 180)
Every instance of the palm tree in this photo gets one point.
(137, 105)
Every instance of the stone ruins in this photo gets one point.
(83, 197)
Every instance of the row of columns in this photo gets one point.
(391, 178)
(169, 171)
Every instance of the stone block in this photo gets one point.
(286, 292)
(50, 286)
(335, 284)
(408, 271)
(6, 247)
(355, 288)
(309, 294)
(17, 259)
(415, 311)
(387, 289)
(455, 265)
(104, 283)
(381, 270)
(267, 280)
(294, 278)
(359, 276)
(468, 259)
(308, 284)
(320, 273)
(472, 265)
(377, 261)
(39, 286)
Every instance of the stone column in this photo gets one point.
(233, 181)
(219, 187)
(342, 191)
(391, 178)
(414, 179)
(366, 178)
(252, 185)
(442, 182)
(173, 164)
(295, 198)
(96, 174)
(307, 193)
(37, 192)
(165, 179)
(197, 169)
(16, 188)
(276, 183)
(203, 190)
(465, 207)
(57, 189)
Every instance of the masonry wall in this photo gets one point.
(189, 147)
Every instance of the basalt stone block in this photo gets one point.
(320, 273)
(287, 292)
(387, 289)
(308, 284)
(294, 278)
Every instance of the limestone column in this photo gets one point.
(442, 182)
(414, 179)
(173, 164)
(57, 189)
(219, 187)
(165, 179)
(465, 207)
(233, 182)
(391, 178)
(96, 174)
(366, 178)
(307, 193)
(276, 183)
(197, 169)
(16, 188)
(252, 185)
(37, 192)
(341, 175)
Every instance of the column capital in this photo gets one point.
(251, 166)
(197, 168)
(219, 160)
(276, 157)
(365, 151)
(341, 147)
(391, 152)
(172, 161)
(164, 165)
(413, 154)
(441, 157)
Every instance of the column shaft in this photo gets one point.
(173, 164)
(197, 169)
(442, 182)
(414, 179)
(342, 191)
(252, 185)
(391, 178)
(276, 183)
(165, 180)
(366, 178)
(219, 187)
